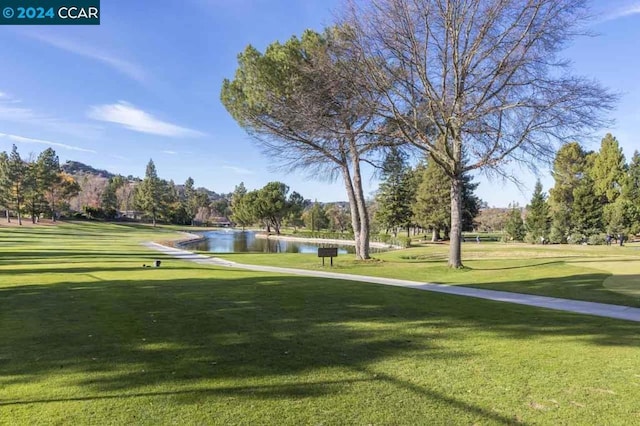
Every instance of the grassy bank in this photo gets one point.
(89, 336)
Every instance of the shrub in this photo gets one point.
(557, 237)
(384, 238)
(576, 238)
(531, 239)
(597, 239)
(404, 242)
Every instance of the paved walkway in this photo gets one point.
(580, 307)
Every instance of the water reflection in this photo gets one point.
(233, 241)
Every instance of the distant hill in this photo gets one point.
(77, 168)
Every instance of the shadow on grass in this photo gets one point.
(122, 337)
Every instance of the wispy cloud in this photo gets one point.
(238, 170)
(22, 139)
(130, 69)
(168, 152)
(13, 110)
(632, 8)
(135, 119)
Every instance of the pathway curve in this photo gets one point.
(577, 306)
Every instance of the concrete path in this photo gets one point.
(580, 307)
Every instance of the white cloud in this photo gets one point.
(12, 110)
(626, 10)
(125, 67)
(22, 139)
(238, 170)
(135, 119)
(168, 152)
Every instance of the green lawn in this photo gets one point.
(87, 336)
(593, 273)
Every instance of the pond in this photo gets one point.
(236, 241)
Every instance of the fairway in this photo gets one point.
(88, 336)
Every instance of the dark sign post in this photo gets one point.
(330, 252)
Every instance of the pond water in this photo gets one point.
(236, 241)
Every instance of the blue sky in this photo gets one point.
(146, 83)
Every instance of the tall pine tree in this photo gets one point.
(608, 170)
(569, 166)
(432, 206)
(149, 193)
(17, 176)
(514, 228)
(396, 193)
(5, 185)
(537, 222)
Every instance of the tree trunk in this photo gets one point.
(435, 236)
(455, 235)
(355, 216)
(8, 215)
(19, 207)
(53, 208)
(363, 240)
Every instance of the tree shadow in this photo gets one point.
(123, 337)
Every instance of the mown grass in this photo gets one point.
(593, 273)
(88, 336)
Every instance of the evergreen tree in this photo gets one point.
(109, 202)
(514, 228)
(538, 215)
(241, 212)
(5, 185)
(432, 204)
(271, 205)
(315, 218)
(622, 217)
(63, 188)
(608, 170)
(17, 176)
(171, 208)
(431, 209)
(396, 193)
(569, 166)
(149, 193)
(44, 175)
(470, 202)
(631, 189)
(631, 194)
(296, 207)
(190, 199)
(586, 212)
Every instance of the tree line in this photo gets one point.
(595, 194)
(34, 186)
(39, 186)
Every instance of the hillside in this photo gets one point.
(77, 168)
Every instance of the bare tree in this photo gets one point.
(296, 101)
(476, 83)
